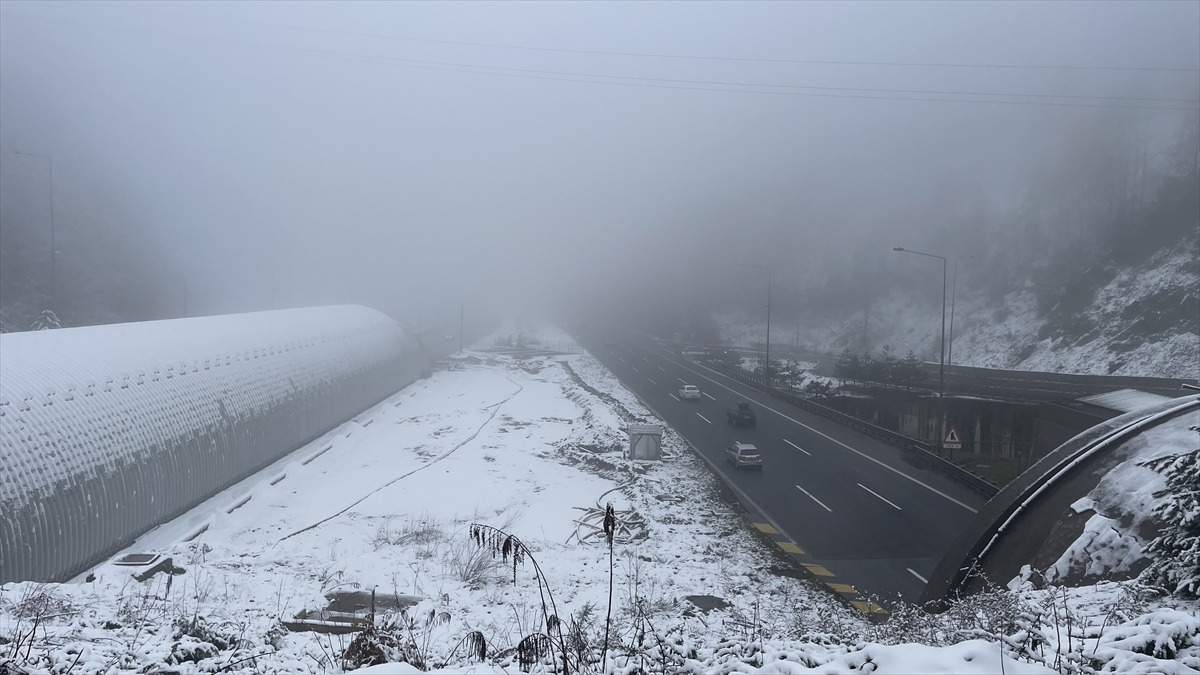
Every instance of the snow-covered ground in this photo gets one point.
(1120, 509)
(385, 502)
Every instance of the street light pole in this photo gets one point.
(53, 279)
(942, 362)
(953, 296)
(767, 365)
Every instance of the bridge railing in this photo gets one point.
(918, 451)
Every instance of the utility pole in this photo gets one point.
(767, 365)
(953, 296)
(462, 312)
(185, 313)
(942, 360)
(53, 273)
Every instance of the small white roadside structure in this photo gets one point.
(645, 441)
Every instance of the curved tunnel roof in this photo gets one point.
(106, 431)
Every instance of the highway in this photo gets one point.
(846, 500)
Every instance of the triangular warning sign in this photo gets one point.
(952, 440)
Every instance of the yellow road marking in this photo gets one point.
(817, 570)
(868, 607)
(766, 529)
(790, 547)
(841, 588)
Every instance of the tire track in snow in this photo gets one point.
(435, 460)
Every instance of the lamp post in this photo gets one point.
(942, 361)
(953, 295)
(767, 365)
(53, 279)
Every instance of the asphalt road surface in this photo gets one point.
(845, 498)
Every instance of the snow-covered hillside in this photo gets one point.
(1142, 320)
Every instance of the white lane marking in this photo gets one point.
(652, 382)
(681, 380)
(797, 447)
(880, 496)
(814, 499)
(672, 396)
(914, 573)
(635, 369)
(662, 369)
(827, 436)
(706, 394)
(622, 359)
(703, 418)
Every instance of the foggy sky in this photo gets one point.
(290, 149)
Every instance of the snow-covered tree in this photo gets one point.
(46, 321)
(1176, 550)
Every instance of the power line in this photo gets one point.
(698, 57)
(718, 83)
(649, 82)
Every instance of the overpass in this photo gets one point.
(1010, 414)
(1028, 386)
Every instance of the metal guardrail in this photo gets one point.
(918, 451)
(965, 566)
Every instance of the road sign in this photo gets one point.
(952, 441)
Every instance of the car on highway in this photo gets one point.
(689, 392)
(743, 455)
(741, 415)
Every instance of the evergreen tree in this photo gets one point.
(848, 367)
(46, 321)
(910, 369)
(1176, 550)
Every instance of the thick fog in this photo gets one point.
(542, 157)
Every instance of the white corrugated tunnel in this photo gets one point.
(107, 431)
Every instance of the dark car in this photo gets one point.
(743, 455)
(741, 415)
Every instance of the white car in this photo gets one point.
(689, 391)
(743, 456)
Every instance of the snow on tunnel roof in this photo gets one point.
(74, 400)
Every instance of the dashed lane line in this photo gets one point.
(662, 369)
(652, 382)
(706, 394)
(831, 438)
(880, 496)
(914, 573)
(797, 447)
(703, 418)
(672, 396)
(635, 369)
(681, 380)
(814, 499)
